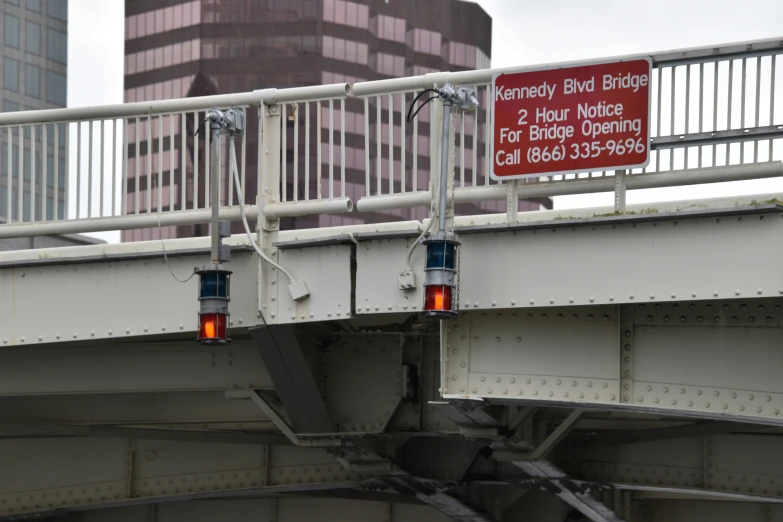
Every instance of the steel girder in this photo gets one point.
(703, 359)
(48, 474)
(267, 510)
(731, 466)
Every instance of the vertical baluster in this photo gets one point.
(715, 112)
(671, 121)
(296, 152)
(475, 146)
(113, 166)
(772, 102)
(183, 124)
(208, 175)
(331, 149)
(342, 148)
(367, 191)
(658, 120)
(243, 165)
(150, 148)
(90, 126)
(391, 144)
(171, 162)
(415, 151)
(103, 171)
(20, 177)
(138, 167)
(9, 183)
(462, 143)
(403, 139)
(307, 151)
(758, 107)
(742, 106)
(32, 173)
(701, 107)
(284, 151)
(44, 179)
(378, 144)
(487, 136)
(195, 161)
(728, 121)
(56, 165)
(78, 167)
(319, 151)
(687, 107)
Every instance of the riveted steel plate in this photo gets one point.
(691, 258)
(554, 354)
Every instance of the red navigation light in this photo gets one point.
(212, 328)
(437, 298)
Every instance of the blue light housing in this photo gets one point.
(440, 254)
(214, 285)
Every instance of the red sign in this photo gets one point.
(574, 119)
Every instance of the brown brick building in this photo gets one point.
(178, 48)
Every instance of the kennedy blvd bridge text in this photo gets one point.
(592, 117)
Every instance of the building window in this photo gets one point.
(56, 88)
(347, 13)
(11, 25)
(11, 74)
(389, 64)
(32, 81)
(33, 38)
(462, 54)
(58, 9)
(482, 60)
(346, 50)
(390, 28)
(164, 19)
(425, 41)
(57, 45)
(34, 5)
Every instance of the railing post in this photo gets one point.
(512, 200)
(619, 191)
(267, 227)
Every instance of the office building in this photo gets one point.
(33, 67)
(178, 48)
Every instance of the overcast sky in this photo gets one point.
(524, 32)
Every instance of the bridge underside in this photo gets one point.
(627, 371)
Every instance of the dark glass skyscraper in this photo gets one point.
(33, 67)
(178, 48)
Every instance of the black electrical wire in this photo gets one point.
(410, 116)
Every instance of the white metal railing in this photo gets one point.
(128, 166)
(715, 109)
(716, 106)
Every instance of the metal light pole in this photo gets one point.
(440, 267)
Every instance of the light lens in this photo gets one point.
(440, 255)
(212, 327)
(437, 298)
(213, 285)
